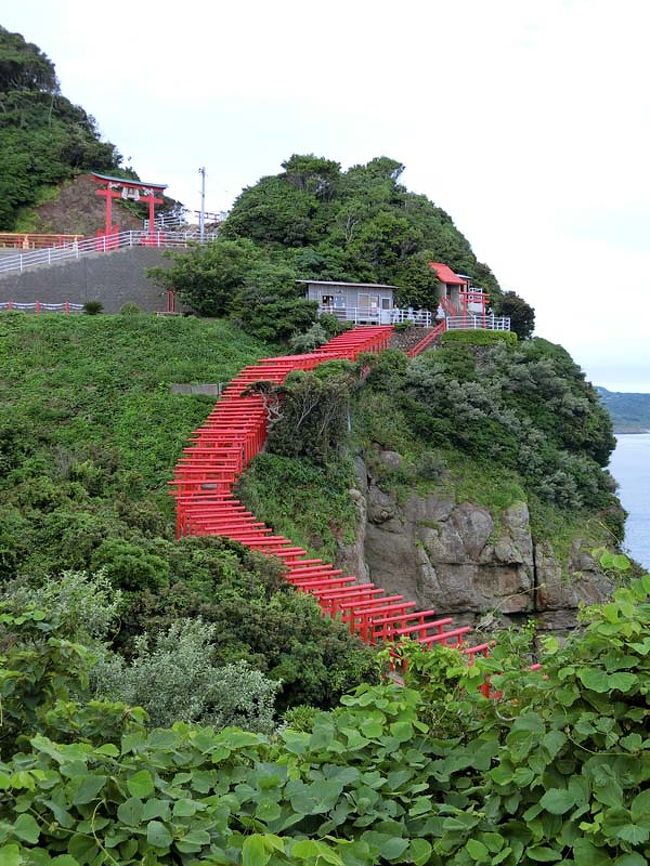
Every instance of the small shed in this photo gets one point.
(369, 303)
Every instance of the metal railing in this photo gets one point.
(375, 316)
(101, 244)
(489, 322)
(40, 307)
(183, 218)
(34, 241)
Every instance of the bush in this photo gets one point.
(521, 314)
(173, 677)
(129, 567)
(332, 324)
(479, 337)
(431, 466)
(130, 309)
(84, 607)
(93, 308)
(310, 340)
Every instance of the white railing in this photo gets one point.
(373, 316)
(101, 244)
(40, 307)
(422, 318)
(183, 218)
(476, 323)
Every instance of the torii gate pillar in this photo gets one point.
(125, 188)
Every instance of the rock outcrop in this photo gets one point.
(455, 558)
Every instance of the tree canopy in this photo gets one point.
(315, 221)
(44, 138)
(360, 224)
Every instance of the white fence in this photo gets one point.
(374, 316)
(476, 323)
(184, 218)
(40, 307)
(102, 244)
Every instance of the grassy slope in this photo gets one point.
(71, 385)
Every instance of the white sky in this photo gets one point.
(527, 120)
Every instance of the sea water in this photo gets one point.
(630, 466)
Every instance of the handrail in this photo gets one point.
(428, 340)
(66, 307)
(472, 322)
(34, 241)
(100, 244)
(448, 306)
(394, 316)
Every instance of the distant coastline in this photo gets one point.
(630, 412)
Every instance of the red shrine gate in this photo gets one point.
(127, 189)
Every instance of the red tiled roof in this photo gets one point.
(446, 275)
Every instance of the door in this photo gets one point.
(386, 310)
(368, 307)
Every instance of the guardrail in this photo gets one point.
(478, 323)
(428, 340)
(373, 316)
(40, 307)
(101, 244)
(33, 241)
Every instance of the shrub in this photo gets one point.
(129, 567)
(431, 465)
(85, 607)
(332, 325)
(521, 314)
(310, 340)
(130, 309)
(173, 677)
(93, 308)
(479, 337)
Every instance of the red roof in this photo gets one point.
(446, 275)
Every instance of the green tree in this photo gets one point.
(208, 277)
(522, 315)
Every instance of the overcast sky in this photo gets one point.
(527, 120)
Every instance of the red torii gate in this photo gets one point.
(126, 188)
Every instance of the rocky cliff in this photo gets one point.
(456, 558)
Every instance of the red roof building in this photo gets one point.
(446, 275)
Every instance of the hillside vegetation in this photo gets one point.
(490, 424)
(89, 435)
(553, 767)
(316, 221)
(44, 138)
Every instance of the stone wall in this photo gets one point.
(114, 278)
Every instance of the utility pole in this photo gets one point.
(202, 212)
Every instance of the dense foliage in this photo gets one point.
(526, 407)
(315, 221)
(44, 138)
(89, 435)
(520, 313)
(483, 419)
(552, 767)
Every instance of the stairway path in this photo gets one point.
(219, 451)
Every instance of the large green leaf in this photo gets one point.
(255, 852)
(26, 828)
(158, 835)
(557, 801)
(140, 784)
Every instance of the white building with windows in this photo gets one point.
(362, 303)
